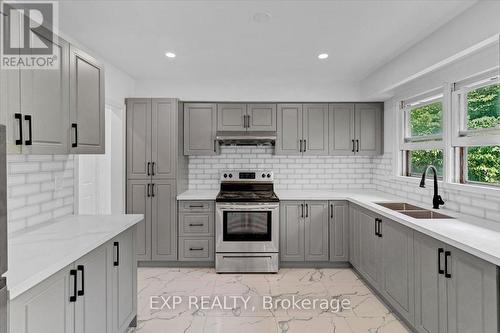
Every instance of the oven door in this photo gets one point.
(251, 227)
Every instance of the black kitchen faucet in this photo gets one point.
(436, 199)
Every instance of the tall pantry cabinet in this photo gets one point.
(156, 173)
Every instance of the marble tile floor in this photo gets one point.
(189, 286)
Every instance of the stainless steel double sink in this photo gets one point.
(413, 211)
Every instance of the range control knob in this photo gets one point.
(225, 175)
(263, 175)
(268, 175)
(230, 175)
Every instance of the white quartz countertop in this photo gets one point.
(473, 235)
(37, 254)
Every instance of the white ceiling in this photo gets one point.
(217, 41)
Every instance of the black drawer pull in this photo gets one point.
(19, 117)
(440, 252)
(116, 245)
(196, 224)
(447, 274)
(196, 249)
(80, 268)
(380, 228)
(75, 126)
(357, 146)
(72, 273)
(376, 227)
(195, 206)
(29, 142)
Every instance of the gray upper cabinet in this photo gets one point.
(231, 117)
(315, 129)
(86, 103)
(368, 129)
(292, 231)
(289, 130)
(339, 230)
(397, 267)
(164, 133)
(45, 103)
(316, 231)
(164, 221)
(139, 137)
(341, 129)
(261, 117)
(200, 124)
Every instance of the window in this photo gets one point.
(477, 132)
(422, 143)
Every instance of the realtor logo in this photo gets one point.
(28, 37)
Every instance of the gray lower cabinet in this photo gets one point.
(455, 291)
(354, 237)
(163, 220)
(339, 231)
(200, 125)
(398, 279)
(302, 129)
(370, 248)
(196, 230)
(139, 202)
(86, 103)
(304, 231)
(104, 299)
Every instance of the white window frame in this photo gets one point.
(428, 142)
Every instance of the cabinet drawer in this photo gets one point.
(196, 206)
(196, 224)
(196, 249)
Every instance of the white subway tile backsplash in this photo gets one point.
(32, 194)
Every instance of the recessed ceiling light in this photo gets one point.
(170, 55)
(322, 56)
(261, 17)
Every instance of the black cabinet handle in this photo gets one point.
(80, 268)
(248, 121)
(75, 126)
(357, 146)
(440, 252)
(380, 228)
(215, 146)
(447, 274)
(307, 210)
(19, 117)
(195, 206)
(72, 273)
(148, 191)
(196, 224)
(331, 211)
(305, 145)
(116, 245)
(195, 249)
(353, 145)
(300, 146)
(302, 208)
(153, 190)
(29, 142)
(153, 172)
(148, 167)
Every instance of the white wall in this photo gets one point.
(473, 26)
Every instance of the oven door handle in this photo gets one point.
(248, 207)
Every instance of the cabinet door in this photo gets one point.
(139, 138)
(292, 231)
(341, 129)
(368, 129)
(370, 258)
(231, 117)
(430, 286)
(139, 202)
(316, 231)
(339, 231)
(10, 92)
(86, 103)
(45, 102)
(315, 129)
(200, 128)
(289, 129)
(124, 280)
(45, 307)
(398, 268)
(354, 237)
(261, 117)
(93, 305)
(164, 226)
(472, 294)
(164, 138)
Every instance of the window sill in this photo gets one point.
(415, 180)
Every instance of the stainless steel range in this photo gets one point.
(246, 223)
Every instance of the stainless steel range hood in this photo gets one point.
(244, 138)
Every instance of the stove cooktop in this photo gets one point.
(247, 196)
